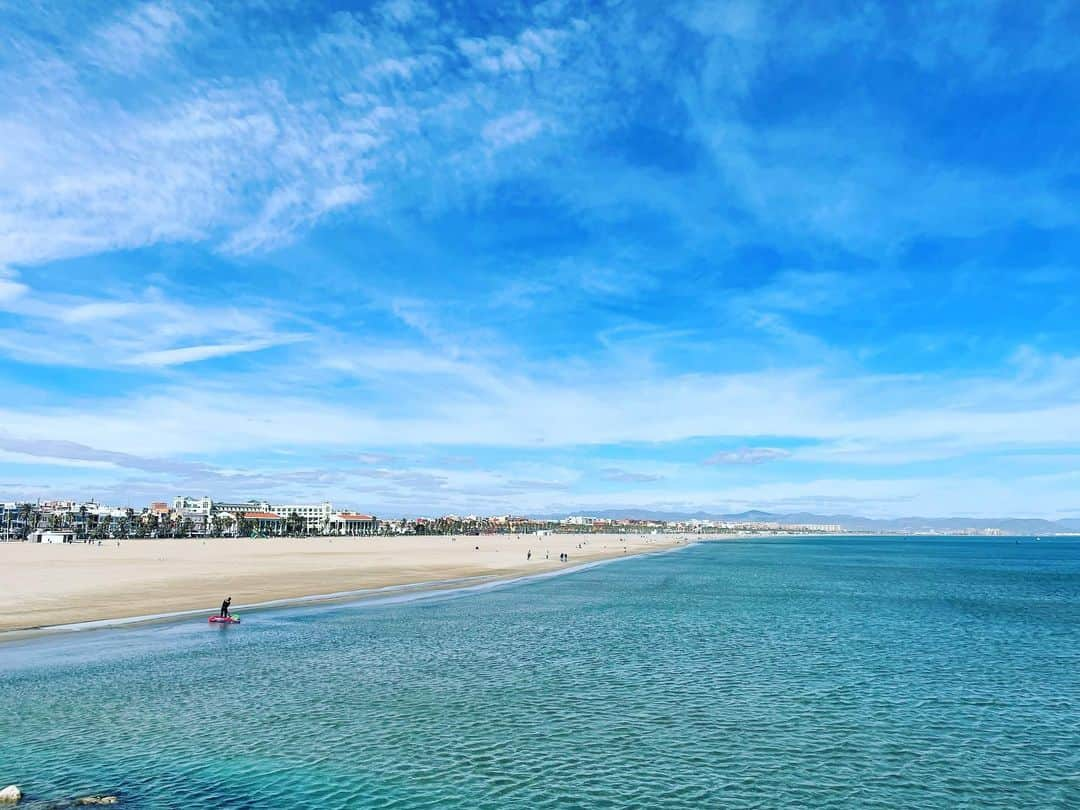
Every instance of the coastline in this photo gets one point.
(59, 589)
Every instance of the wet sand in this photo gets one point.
(45, 585)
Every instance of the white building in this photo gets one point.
(579, 520)
(316, 516)
(52, 536)
(352, 524)
(236, 509)
(193, 506)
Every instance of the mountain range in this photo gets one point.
(1022, 526)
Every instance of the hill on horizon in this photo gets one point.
(850, 522)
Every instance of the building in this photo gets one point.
(197, 506)
(52, 536)
(579, 520)
(352, 524)
(201, 511)
(264, 523)
(196, 511)
(316, 516)
(14, 520)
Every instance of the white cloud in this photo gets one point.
(349, 117)
(97, 311)
(144, 33)
(10, 289)
(193, 354)
(146, 329)
(515, 128)
(748, 455)
(532, 50)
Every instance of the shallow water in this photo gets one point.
(831, 672)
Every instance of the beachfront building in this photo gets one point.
(193, 506)
(352, 524)
(206, 514)
(52, 536)
(236, 510)
(264, 523)
(193, 514)
(315, 516)
(15, 520)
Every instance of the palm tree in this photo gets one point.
(294, 524)
(25, 511)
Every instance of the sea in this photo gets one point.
(823, 672)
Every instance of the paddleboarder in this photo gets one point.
(225, 607)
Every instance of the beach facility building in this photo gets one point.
(352, 524)
(265, 522)
(52, 536)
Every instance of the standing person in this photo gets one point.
(225, 607)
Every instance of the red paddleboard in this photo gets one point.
(224, 620)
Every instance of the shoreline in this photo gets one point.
(99, 587)
(389, 594)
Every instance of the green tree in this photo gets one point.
(25, 511)
(294, 524)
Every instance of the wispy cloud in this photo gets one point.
(747, 455)
(10, 288)
(585, 247)
(139, 36)
(513, 128)
(627, 476)
(193, 354)
(141, 329)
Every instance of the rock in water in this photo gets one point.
(10, 795)
(97, 800)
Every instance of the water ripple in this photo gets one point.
(820, 673)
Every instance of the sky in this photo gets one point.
(420, 257)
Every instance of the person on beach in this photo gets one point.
(225, 607)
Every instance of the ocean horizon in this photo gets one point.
(813, 671)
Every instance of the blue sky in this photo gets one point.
(427, 257)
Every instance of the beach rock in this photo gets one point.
(97, 800)
(10, 795)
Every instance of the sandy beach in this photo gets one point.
(46, 585)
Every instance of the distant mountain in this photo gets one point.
(1022, 526)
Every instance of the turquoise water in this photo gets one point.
(833, 672)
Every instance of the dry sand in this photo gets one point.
(43, 585)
